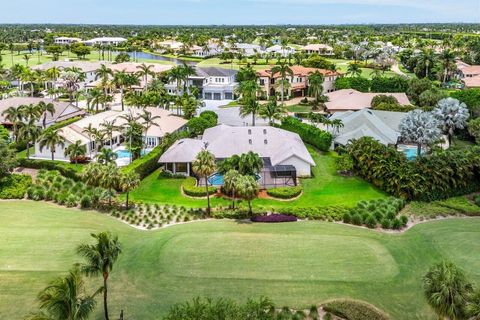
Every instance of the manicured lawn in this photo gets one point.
(324, 189)
(299, 108)
(217, 62)
(295, 264)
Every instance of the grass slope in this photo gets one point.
(295, 264)
(324, 189)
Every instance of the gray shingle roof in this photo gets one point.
(215, 72)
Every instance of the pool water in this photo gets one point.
(410, 152)
(216, 179)
(123, 153)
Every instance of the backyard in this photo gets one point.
(325, 188)
(296, 264)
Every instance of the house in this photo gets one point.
(89, 69)
(246, 49)
(105, 41)
(468, 74)
(213, 83)
(383, 126)
(63, 110)
(283, 51)
(321, 49)
(298, 83)
(167, 123)
(283, 152)
(133, 67)
(66, 40)
(352, 100)
(212, 49)
(172, 45)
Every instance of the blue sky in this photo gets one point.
(163, 12)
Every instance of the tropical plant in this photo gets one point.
(75, 151)
(421, 128)
(51, 139)
(100, 259)
(29, 132)
(247, 189)
(230, 182)
(447, 290)
(354, 70)
(315, 84)
(272, 111)
(129, 181)
(8, 160)
(284, 70)
(14, 116)
(106, 156)
(452, 114)
(204, 166)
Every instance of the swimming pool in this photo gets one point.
(216, 179)
(125, 154)
(410, 152)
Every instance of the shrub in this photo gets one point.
(86, 202)
(389, 84)
(357, 83)
(386, 223)
(190, 188)
(344, 164)
(14, 186)
(66, 169)
(357, 219)
(274, 218)
(354, 310)
(285, 192)
(371, 222)
(347, 218)
(310, 134)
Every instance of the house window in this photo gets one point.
(262, 82)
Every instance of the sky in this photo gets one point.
(234, 12)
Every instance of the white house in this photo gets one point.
(212, 83)
(88, 68)
(283, 51)
(321, 49)
(167, 123)
(105, 41)
(281, 150)
(66, 40)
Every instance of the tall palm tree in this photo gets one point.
(104, 73)
(14, 116)
(109, 128)
(354, 70)
(144, 71)
(247, 189)
(91, 132)
(29, 132)
(45, 108)
(250, 106)
(284, 70)
(51, 139)
(187, 72)
(66, 299)
(129, 181)
(204, 166)
(148, 122)
(272, 111)
(76, 150)
(94, 98)
(176, 75)
(446, 289)
(447, 58)
(123, 81)
(315, 84)
(427, 58)
(101, 257)
(106, 156)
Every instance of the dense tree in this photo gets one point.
(421, 128)
(51, 139)
(272, 111)
(75, 151)
(452, 115)
(284, 71)
(8, 159)
(247, 189)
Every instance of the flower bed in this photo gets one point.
(274, 218)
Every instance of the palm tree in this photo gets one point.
(29, 132)
(421, 128)
(104, 73)
(65, 299)
(190, 104)
(452, 114)
(250, 106)
(427, 58)
(230, 182)
(26, 57)
(284, 70)
(45, 108)
(148, 122)
(176, 75)
(446, 289)
(109, 128)
(51, 139)
(91, 132)
(447, 58)
(354, 70)
(272, 111)
(247, 189)
(101, 257)
(14, 116)
(76, 150)
(187, 71)
(106, 156)
(94, 98)
(250, 164)
(145, 71)
(315, 84)
(129, 181)
(122, 81)
(204, 166)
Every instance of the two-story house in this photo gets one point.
(212, 83)
(298, 87)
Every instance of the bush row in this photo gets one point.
(66, 169)
(190, 188)
(354, 310)
(274, 218)
(439, 175)
(328, 213)
(309, 134)
(14, 186)
(378, 84)
(382, 212)
(285, 192)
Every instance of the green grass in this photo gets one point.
(299, 108)
(217, 62)
(296, 264)
(342, 66)
(324, 189)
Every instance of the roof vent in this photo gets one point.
(249, 131)
(265, 141)
(250, 141)
(264, 131)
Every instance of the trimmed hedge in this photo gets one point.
(190, 188)
(285, 192)
(329, 213)
(145, 165)
(354, 310)
(66, 169)
(14, 186)
(320, 139)
(274, 218)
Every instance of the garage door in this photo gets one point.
(217, 96)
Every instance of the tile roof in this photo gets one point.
(350, 99)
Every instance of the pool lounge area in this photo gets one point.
(124, 156)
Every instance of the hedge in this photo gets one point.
(285, 192)
(190, 188)
(14, 186)
(309, 134)
(354, 310)
(274, 218)
(65, 168)
(331, 213)
(147, 164)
